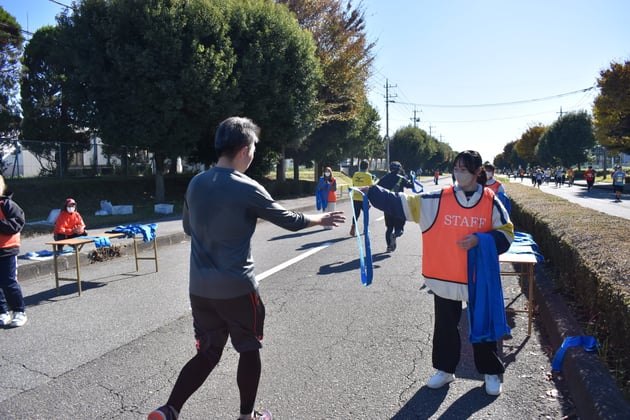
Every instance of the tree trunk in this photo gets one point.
(160, 193)
(280, 171)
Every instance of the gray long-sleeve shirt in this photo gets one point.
(220, 212)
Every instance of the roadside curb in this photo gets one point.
(37, 269)
(34, 269)
(594, 391)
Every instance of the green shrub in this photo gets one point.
(589, 255)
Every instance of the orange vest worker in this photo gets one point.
(449, 262)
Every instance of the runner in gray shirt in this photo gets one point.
(221, 208)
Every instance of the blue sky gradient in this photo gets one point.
(476, 73)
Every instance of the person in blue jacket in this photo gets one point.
(395, 181)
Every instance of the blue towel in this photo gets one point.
(99, 241)
(525, 239)
(486, 310)
(589, 343)
(148, 231)
(321, 194)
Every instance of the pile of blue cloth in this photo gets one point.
(521, 243)
(148, 231)
(99, 241)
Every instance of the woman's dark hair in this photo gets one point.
(472, 161)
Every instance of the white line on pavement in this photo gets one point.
(292, 261)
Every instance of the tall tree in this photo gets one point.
(11, 41)
(345, 56)
(412, 147)
(276, 75)
(612, 108)
(506, 158)
(567, 140)
(363, 138)
(526, 145)
(50, 124)
(151, 72)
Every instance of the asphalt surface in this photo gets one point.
(334, 349)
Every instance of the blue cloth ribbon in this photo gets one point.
(589, 343)
(99, 241)
(321, 194)
(148, 231)
(417, 187)
(365, 260)
(486, 311)
(522, 239)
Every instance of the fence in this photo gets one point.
(18, 158)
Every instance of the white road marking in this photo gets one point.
(292, 261)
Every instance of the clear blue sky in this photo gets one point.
(446, 59)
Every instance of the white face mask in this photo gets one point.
(327, 173)
(489, 174)
(465, 178)
(71, 209)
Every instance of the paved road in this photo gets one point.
(334, 349)
(600, 198)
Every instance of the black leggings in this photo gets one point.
(447, 344)
(196, 371)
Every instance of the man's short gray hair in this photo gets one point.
(233, 134)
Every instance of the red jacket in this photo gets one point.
(11, 224)
(67, 221)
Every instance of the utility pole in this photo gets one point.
(430, 128)
(415, 119)
(387, 101)
(560, 112)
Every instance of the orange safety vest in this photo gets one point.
(6, 240)
(494, 187)
(442, 258)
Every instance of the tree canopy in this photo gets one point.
(567, 140)
(276, 74)
(415, 148)
(525, 147)
(345, 57)
(11, 41)
(612, 108)
(161, 74)
(48, 116)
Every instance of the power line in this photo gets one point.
(61, 4)
(499, 103)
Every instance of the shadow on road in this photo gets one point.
(343, 266)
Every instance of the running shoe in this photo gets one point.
(19, 319)
(166, 412)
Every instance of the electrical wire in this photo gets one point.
(498, 103)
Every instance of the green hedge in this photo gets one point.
(588, 253)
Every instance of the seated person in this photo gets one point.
(69, 223)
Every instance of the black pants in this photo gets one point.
(447, 343)
(394, 225)
(357, 206)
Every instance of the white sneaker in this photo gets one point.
(493, 384)
(19, 319)
(440, 379)
(5, 319)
